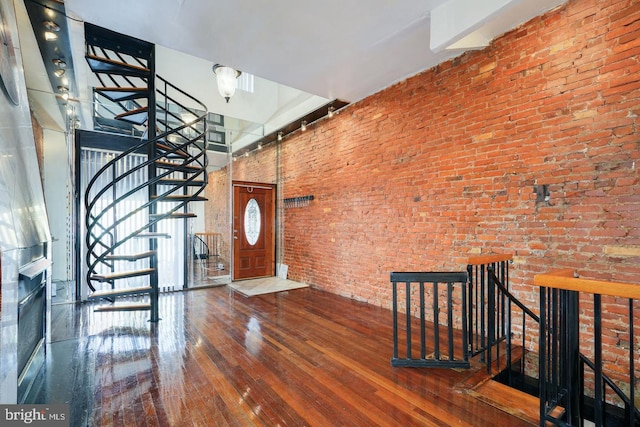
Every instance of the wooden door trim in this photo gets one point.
(271, 237)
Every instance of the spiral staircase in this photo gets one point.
(169, 126)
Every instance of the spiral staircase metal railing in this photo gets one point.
(174, 142)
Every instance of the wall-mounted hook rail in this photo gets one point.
(297, 202)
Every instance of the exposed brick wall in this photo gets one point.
(444, 164)
(260, 168)
(217, 211)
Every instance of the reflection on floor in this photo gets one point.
(302, 358)
(209, 272)
(265, 285)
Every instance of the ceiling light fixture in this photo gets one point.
(50, 36)
(65, 92)
(227, 79)
(279, 136)
(303, 125)
(59, 72)
(51, 26)
(59, 63)
(330, 111)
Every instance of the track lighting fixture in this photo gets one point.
(330, 112)
(303, 125)
(279, 136)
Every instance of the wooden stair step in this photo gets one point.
(481, 375)
(124, 307)
(181, 198)
(122, 275)
(167, 149)
(137, 117)
(180, 182)
(106, 293)
(511, 401)
(118, 94)
(175, 215)
(177, 166)
(132, 257)
(99, 64)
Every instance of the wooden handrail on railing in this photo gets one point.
(562, 362)
(567, 279)
(489, 259)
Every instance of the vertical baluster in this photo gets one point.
(542, 358)
(450, 319)
(467, 325)
(465, 338)
(632, 377)
(395, 319)
(482, 313)
(408, 317)
(597, 348)
(423, 339)
(555, 353)
(436, 321)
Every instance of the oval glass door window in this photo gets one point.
(252, 222)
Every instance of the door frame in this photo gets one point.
(272, 220)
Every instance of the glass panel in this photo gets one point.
(252, 221)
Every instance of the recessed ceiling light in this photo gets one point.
(51, 26)
(59, 72)
(59, 63)
(50, 36)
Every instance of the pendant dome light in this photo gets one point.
(227, 79)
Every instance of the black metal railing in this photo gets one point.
(435, 321)
(489, 309)
(200, 248)
(576, 370)
(176, 166)
(586, 364)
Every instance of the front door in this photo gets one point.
(253, 230)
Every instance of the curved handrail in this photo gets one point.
(617, 390)
(201, 242)
(97, 250)
(511, 297)
(569, 280)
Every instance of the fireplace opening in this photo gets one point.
(31, 324)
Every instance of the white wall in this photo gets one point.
(23, 220)
(57, 180)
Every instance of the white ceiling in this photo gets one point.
(341, 49)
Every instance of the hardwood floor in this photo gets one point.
(302, 358)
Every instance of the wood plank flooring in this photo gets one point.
(217, 358)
